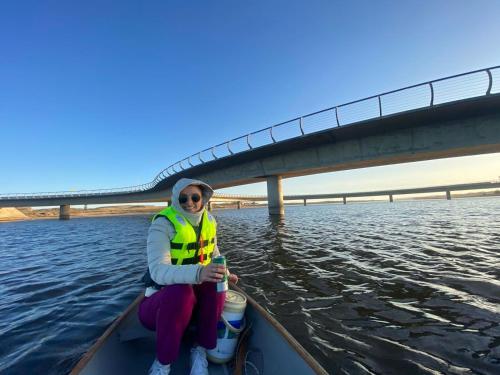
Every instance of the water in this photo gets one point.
(378, 288)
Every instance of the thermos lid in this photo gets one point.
(235, 300)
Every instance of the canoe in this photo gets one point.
(266, 347)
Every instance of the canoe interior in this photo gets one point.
(128, 348)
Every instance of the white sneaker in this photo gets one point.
(199, 364)
(158, 369)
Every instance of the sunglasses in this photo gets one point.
(184, 198)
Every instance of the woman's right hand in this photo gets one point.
(212, 273)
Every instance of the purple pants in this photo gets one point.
(169, 311)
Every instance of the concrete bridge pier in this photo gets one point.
(448, 195)
(390, 198)
(275, 196)
(64, 212)
(239, 205)
(344, 199)
(305, 203)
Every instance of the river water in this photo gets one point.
(411, 287)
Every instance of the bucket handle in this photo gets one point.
(231, 328)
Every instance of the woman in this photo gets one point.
(181, 243)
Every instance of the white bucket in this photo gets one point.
(229, 327)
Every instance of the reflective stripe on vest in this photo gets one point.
(185, 248)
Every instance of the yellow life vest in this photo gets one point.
(186, 247)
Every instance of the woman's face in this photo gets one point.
(190, 199)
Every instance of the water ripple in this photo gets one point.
(379, 288)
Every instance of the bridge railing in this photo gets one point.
(236, 196)
(483, 82)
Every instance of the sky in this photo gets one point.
(105, 94)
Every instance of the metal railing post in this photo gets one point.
(213, 153)
(490, 82)
(271, 132)
(432, 94)
(248, 141)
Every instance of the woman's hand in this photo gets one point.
(212, 273)
(233, 278)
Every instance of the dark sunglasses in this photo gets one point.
(184, 198)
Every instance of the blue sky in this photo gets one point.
(102, 94)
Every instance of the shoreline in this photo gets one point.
(28, 214)
(2, 220)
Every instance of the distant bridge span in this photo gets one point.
(438, 129)
(447, 189)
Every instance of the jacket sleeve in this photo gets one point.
(160, 265)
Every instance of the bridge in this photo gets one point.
(446, 189)
(448, 117)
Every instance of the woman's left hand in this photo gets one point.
(233, 278)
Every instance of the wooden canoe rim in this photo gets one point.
(308, 358)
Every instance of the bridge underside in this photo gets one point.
(415, 136)
(463, 128)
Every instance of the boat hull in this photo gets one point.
(128, 348)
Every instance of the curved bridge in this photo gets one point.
(452, 116)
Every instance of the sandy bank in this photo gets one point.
(12, 214)
(26, 213)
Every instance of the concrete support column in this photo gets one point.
(390, 198)
(64, 212)
(275, 196)
(344, 199)
(448, 195)
(169, 202)
(85, 207)
(209, 206)
(305, 203)
(239, 205)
